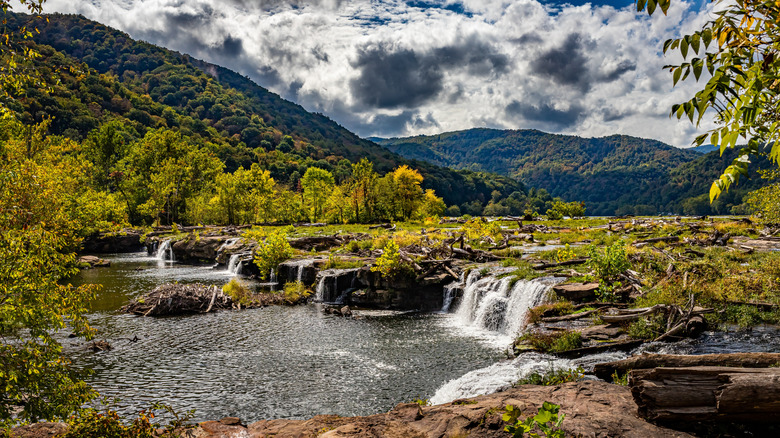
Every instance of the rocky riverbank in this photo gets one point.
(592, 409)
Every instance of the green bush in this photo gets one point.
(295, 292)
(609, 263)
(92, 423)
(238, 291)
(547, 421)
(553, 377)
(271, 251)
(553, 342)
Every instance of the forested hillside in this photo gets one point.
(612, 175)
(148, 87)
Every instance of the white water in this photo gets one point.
(165, 252)
(502, 375)
(496, 308)
(496, 305)
(235, 265)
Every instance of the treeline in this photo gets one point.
(104, 74)
(612, 175)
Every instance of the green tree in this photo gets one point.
(362, 189)
(317, 184)
(39, 231)
(407, 186)
(271, 250)
(739, 48)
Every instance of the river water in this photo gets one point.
(296, 362)
(275, 362)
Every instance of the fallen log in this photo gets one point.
(601, 348)
(656, 240)
(707, 394)
(386, 226)
(570, 317)
(647, 361)
(564, 263)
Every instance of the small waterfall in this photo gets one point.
(498, 304)
(450, 290)
(235, 264)
(165, 251)
(334, 285)
(272, 277)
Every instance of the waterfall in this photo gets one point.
(235, 264)
(335, 285)
(165, 252)
(495, 304)
(450, 290)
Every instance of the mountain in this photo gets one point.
(704, 149)
(617, 174)
(149, 86)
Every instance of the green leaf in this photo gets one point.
(697, 66)
(676, 76)
(684, 46)
(651, 4)
(664, 4)
(695, 38)
(706, 37)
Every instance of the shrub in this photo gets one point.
(553, 377)
(547, 420)
(389, 263)
(271, 251)
(553, 342)
(295, 292)
(238, 291)
(609, 263)
(91, 423)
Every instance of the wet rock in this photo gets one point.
(98, 346)
(231, 421)
(346, 311)
(198, 249)
(576, 291)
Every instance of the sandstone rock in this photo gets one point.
(39, 430)
(602, 332)
(93, 262)
(592, 408)
(577, 291)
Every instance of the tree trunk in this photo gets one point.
(647, 361)
(707, 394)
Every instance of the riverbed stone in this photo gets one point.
(123, 241)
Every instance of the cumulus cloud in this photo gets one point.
(394, 68)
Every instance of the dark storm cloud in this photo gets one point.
(547, 113)
(231, 47)
(405, 78)
(568, 65)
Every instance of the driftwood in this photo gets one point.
(656, 240)
(707, 394)
(601, 348)
(570, 317)
(179, 299)
(564, 263)
(308, 224)
(649, 361)
(387, 226)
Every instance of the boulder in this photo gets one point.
(198, 249)
(576, 291)
(90, 262)
(124, 241)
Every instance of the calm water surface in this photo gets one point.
(276, 362)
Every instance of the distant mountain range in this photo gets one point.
(617, 174)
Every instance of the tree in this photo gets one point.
(39, 229)
(407, 185)
(16, 58)
(739, 48)
(317, 184)
(362, 188)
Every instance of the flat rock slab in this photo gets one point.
(592, 409)
(576, 291)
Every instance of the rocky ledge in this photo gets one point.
(592, 409)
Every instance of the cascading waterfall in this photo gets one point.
(498, 304)
(335, 285)
(235, 264)
(165, 252)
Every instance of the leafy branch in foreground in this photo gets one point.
(547, 420)
(739, 50)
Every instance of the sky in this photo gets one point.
(400, 68)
